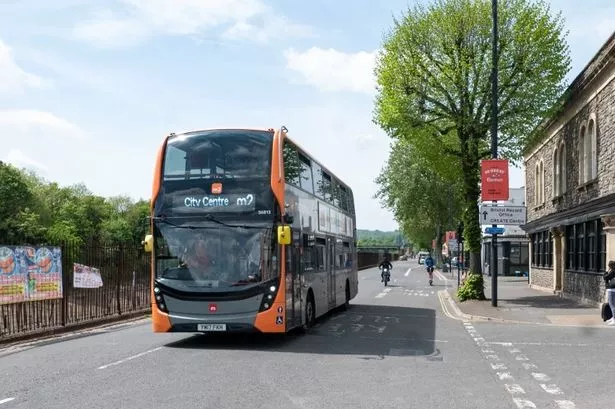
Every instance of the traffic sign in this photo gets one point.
(505, 215)
(494, 180)
(494, 230)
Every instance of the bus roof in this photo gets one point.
(303, 151)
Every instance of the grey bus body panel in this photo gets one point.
(238, 315)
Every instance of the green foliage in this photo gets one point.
(35, 210)
(424, 202)
(379, 238)
(434, 86)
(473, 288)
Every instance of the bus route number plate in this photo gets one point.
(211, 327)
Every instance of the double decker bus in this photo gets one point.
(248, 233)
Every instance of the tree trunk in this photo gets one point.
(470, 164)
(438, 256)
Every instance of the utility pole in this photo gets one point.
(494, 145)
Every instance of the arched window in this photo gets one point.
(582, 157)
(556, 173)
(592, 148)
(537, 184)
(542, 182)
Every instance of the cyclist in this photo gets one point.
(429, 263)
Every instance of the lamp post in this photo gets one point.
(494, 143)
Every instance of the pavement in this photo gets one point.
(402, 346)
(519, 303)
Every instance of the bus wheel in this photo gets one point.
(310, 312)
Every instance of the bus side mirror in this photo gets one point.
(284, 235)
(148, 243)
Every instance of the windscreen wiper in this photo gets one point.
(208, 217)
(165, 220)
(240, 226)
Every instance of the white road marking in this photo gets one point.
(552, 389)
(540, 377)
(504, 375)
(130, 358)
(549, 344)
(6, 400)
(565, 404)
(514, 389)
(500, 368)
(524, 403)
(408, 272)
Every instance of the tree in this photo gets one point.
(424, 201)
(433, 73)
(38, 211)
(15, 197)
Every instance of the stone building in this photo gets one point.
(570, 186)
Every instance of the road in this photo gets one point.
(394, 348)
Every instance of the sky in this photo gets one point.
(89, 88)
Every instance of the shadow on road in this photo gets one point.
(545, 301)
(367, 330)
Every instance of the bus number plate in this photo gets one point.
(211, 327)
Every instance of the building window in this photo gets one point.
(586, 247)
(549, 241)
(535, 250)
(570, 248)
(542, 249)
(591, 242)
(539, 184)
(556, 173)
(588, 150)
(580, 246)
(592, 148)
(602, 255)
(582, 158)
(559, 170)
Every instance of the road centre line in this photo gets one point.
(130, 358)
(408, 272)
(6, 400)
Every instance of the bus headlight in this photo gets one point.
(268, 298)
(159, 299)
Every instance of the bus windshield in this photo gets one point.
(218, 154)
(214, 257)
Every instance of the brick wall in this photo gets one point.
(589, 287)
(542, 277)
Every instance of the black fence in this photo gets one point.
(125, 272)
(368, 258)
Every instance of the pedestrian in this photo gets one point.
(609, 283)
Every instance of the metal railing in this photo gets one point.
(125, 272)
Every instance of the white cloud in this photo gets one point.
(12, 77)
(332, 70)
(37, 122)
(17, 158)
(140, 19)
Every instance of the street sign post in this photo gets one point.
(494, 230)
(503, 215)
